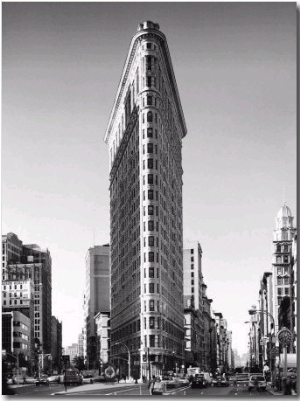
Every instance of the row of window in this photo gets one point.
(17, 286)
(283, 270)
(283, 291)
(11, 302)
(6, 294)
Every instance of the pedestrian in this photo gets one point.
(158, 388)
(151, 385)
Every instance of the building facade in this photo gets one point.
(97, 296)
(11, 251)
(281, 260)
(21, 263)
(102, 321)
(193, 287)
(56, 344)
(16, 339)
(144, 137)
(294, 299)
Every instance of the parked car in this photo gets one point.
(87, 378)
(53, 379)
(199, 381)
(257, 382)
(42, 380)
(71, 376)
(220, 381)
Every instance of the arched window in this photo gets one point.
(149, 117)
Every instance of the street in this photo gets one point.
(239, 390)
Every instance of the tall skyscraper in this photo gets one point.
(281, 264)
(144, 136)
(97, 297)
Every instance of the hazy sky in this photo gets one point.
(235, 66)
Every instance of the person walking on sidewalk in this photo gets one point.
(151, 385)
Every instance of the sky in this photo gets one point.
(235, 67)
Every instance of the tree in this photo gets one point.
(78, 362)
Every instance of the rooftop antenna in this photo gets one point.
(283, 194)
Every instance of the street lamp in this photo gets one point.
(119, 343)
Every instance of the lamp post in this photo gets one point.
(129, 373)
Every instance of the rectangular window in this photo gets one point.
(151, 225)
(279, 291)
(286, 291)
(279, 280)
(151, 288)
(151, 241)
(152, 341)
(150, 163)
(150, 132)
(192, 251)
(151, 305)
(151, 272)
(150, 194)
(149, 100)
(151, 322)
(192, 266)
(151, 256)
(192, 259)
(151, 210)
(150, 178)
(149, 147)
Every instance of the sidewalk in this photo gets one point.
(272, 391)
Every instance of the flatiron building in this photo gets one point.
(144, 137)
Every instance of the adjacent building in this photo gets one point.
(16, 338)
(102, 321)
(56, 344)
(144, 138)
(97, 297)
(281, 264)
(27, 278)
(193, 289)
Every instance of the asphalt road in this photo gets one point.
(240, 390)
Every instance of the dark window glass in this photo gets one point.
(149, 117)
(151, 272)
(151, 305)
(150, 132)
(150, 210)
(150, 163)
(151, 256)
(149, 147)
(151, 225)
(151, 241)
(150, 194)
(149, 100)
(151, 288)
(150, 178)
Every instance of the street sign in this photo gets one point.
(285, 337)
